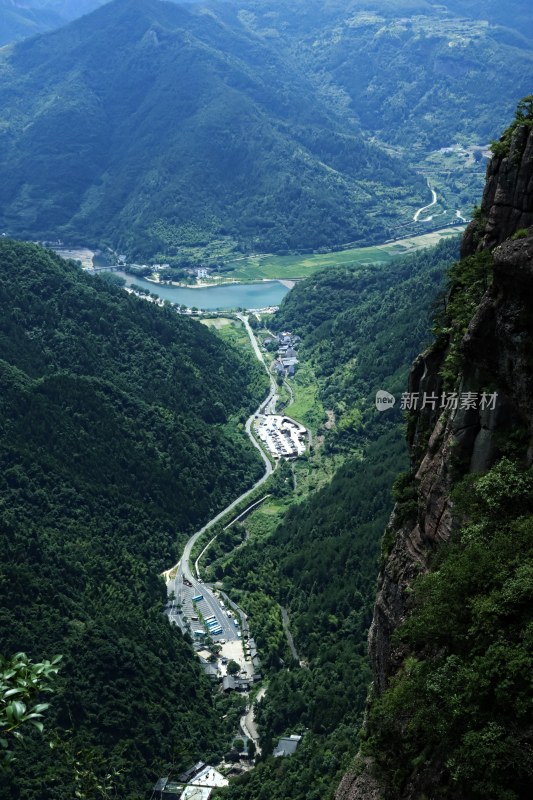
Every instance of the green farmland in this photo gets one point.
(294, 267)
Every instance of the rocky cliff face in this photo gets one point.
(507, 204)
(497, 357)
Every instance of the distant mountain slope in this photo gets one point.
(112, 447)
(148, 125)
(21, 18)
(417, 74)
(159, 128)
(18, 20)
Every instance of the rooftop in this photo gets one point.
(287, 746)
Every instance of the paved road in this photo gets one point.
(178, 590)
(416, 217)
(269, 405)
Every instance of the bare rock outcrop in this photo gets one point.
(507, 204)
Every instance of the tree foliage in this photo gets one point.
(21, 681)
(460, 708)
(109, 457)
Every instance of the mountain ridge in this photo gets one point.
(178, 136)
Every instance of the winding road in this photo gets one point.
(416, 217)
(182, 583)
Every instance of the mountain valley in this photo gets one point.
(276, 552)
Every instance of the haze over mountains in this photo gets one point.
(21, 18)
(151, 126)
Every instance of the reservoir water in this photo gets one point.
(216, 298)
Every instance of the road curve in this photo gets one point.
(416, 217)
(183, 569)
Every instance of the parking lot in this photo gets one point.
(283, 437)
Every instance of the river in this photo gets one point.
(216, 298)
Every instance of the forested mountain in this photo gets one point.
(157, 128)
(322, 561)
(119, 435)
(414, 73)
(149, 125)
(20, 19)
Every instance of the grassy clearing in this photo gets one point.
(306, 407)
(315, 471)
(265, 520)
(284, 399)
(233, 332)
(292, 267)
(218, 322)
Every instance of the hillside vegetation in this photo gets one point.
(183, 132)
(360, 333)
(416, 74)
(156, 127)
(120, 435)
(321, 562)
(460, 706)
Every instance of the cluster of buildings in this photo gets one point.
(217, 672)
(197, 783)
(283, 437)
(200, 780)
(286, 350)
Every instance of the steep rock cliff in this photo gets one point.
(507, 204)
(496, 360)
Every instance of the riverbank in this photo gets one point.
(289, 269)
(214, 284)
(269, 269)
(239, 295)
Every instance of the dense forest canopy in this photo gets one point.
(120, 434)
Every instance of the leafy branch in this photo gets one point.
(21, 681)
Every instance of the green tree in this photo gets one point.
(21, 681)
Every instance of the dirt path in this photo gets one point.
(248, 724)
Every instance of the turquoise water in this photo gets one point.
(217, 298)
